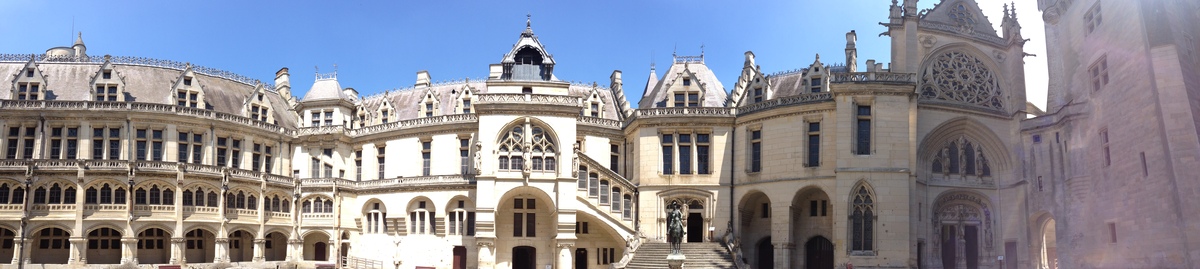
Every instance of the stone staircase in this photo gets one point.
(698, 255)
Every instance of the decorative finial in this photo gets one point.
(316, 69)
(528, 16)
(702, 50)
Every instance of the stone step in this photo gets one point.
(698, 255)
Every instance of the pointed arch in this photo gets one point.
(945, 147)
(863, 214)
(960, 74)
(527, 144)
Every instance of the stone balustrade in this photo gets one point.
(874, 77)
(529, 99)
(98, 106)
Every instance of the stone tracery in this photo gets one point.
(960, 77)
(961, 157)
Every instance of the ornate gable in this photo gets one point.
(188, 90)
(593, 104)
(29, 83)
(108, 84)
(257, 107)
(963, 15)
(428, 105)
(462, 102)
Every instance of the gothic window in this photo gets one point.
(961, 157)
(962, 15)
(541, 147)
(959, 77)
(862, 218)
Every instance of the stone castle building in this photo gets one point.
(932, 160)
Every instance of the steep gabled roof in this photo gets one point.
(527, 39)
(961, 13)
(714, 94)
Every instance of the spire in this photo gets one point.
(79, 40)
(528, 26)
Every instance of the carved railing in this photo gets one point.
(131, 60)
(99, 207)
(200, 209)
(57, 207)
(413, 123)
(684, 111)
(532, 99)
(154, 208)
(155, 166)
(689, 59)
(281, 215)
(805, 98)
(599, 122)
(869, 77)
(317, 215)
(441, 180)
(273, 178)
(321, 130)
(12, 207)
(140, 107)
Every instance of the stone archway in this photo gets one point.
(1049, 250)
(962, 230)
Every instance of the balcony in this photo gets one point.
(874, 77)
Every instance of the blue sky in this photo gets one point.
(381, 45)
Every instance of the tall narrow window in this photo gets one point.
(702, 145)
(604, 192)
(190, 147)
(755, 151)
(524, 218)
(685, 154)
(758, 95)
(358, 165)
(863, 132)
(583, 174)
(380, 161)
(222, 151)
(64, 143)
(142, 141)
(235, 156)
(1093, 18)
(614, 157)
(316, 118)
(668, 151)
(814, 144)
(1099, 73)
(464, 153)
(862, 219)
(815, 84)
(593, 185)
(256, 154)
(156, 143)
(1104, 147)
(426, 155)
(315, 168)
(328, 118)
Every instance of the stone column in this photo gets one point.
(129, 250)
(221, 249)
(332, 255)
(259, 244)
(177, 250)
(783, 254)
(565, 260)
(78, 252)
(21, 247)
(293, 251)
(960, 249)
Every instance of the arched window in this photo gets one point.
(89, 195)
(18, 196)
(168, 197)
(583, 180)
(953, 152)
(376, 219)
(139, 196)
(187, 198)
(593, 185)
(968, 158)
(39, 195)
(420, 219)
(4, 193)
(55, 194)
(959, 77)
(199, 197)
(275, 204)
(961, 153)
(627, 202)
(307, 207)
(328, 206)
(155, 195)
(252, 202)
(119, 196)
(542, 149)
(241, 200)
(461, 221)
(106, 195)
(604, 192)
(212, 199)
(862, 218)
(616, 200)
(287, 205)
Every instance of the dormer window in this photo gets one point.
(595, 109)
(29, 72)
(687, 82)
(260, 97)
(687, 99)
(107, 74)
(259, 112)
(428, 109)
(28, 91)
(187, 81)
(466, 108)
(383, 116)
(106, 92)
(188, 98)
(815, 84)
(758, 95)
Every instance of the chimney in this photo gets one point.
(283, 83)
(422, 79)
(851, 52)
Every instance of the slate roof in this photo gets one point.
(715, 94)
(72, 81)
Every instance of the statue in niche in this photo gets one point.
(528, 163)
(575, 160)
(478, 157)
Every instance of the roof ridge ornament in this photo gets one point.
(528, 26)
